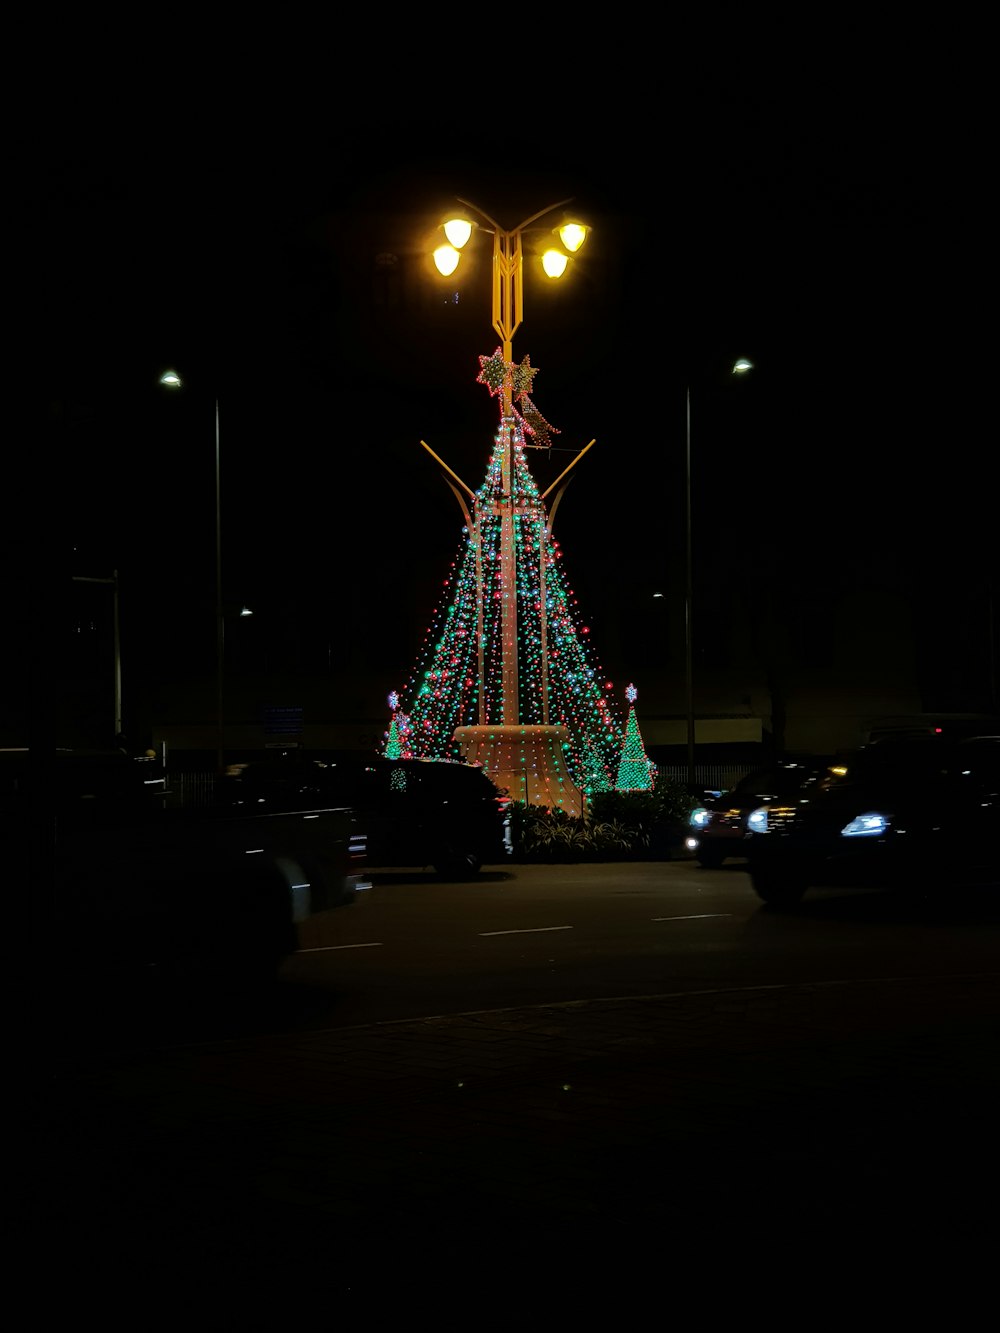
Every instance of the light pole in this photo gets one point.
(508, 312)
(117, 643)
(740, 367)
(171, 380)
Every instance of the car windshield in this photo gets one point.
(781, 780)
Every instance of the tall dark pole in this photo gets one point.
(171, 380)
(220, 630)
(116, 644)
(991, 659)
(688, 608)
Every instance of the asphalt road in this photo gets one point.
(585, 1088)
(412, 947)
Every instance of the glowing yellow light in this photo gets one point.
(458, 231)
(446, 259)
(554, 263)
(573, 235)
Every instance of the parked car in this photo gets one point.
(718, 826)
(413, 812)
(918, 813)
(107, 876)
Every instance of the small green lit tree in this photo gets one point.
(393, 748)
(635, 771)
(595, 774)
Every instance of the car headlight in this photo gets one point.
(757, 820)
(867, 825)
(700, 818)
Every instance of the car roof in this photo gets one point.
(295, 765)
(916, 755)
(792, 769)
(921, 743)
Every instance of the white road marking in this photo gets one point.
(332, 948)
(701, 916)
(534, 930)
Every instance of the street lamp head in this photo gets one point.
(742, 365)
(572, 235)
(554, 263)
(170, 379)
(446, 259)
(458, 230)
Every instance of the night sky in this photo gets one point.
(831, 238)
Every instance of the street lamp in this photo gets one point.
(116, 641)
(508, 260)
(740, 367)
(508, 312)
(171, 380)
(507, 747)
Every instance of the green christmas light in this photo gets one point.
(443, 691)
(635, 771)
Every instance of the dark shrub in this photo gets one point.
(618, 826)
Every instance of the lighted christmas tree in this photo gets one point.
(393, 749)
(595, 775)
(635, 771)
(505, 647)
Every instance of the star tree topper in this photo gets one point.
(492, 372)
(522, 377)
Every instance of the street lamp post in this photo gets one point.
(740, 367)
(508, 313)
(688, 600)
(520, 755)
(171, 380)
(116, 641)
(220, 624)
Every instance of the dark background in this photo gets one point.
(828, 225)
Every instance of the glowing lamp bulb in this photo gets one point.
(458, 231)
(446, 259)
(554, 263)
(572, 235)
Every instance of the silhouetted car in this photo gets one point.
(913, 813)
(119, 880)
(413, 812)
(718, 827)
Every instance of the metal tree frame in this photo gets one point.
(507, 315)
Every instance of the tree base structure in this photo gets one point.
(526, 760)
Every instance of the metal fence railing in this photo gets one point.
(190, 789)
(197, 787)
(712, 777)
